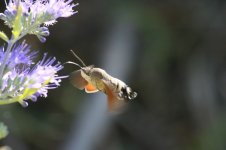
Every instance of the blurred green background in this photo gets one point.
(173, 53)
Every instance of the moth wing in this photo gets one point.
(77, 80)
(89, 88)
(114, 103)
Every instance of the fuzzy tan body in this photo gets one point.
(96, 79)
(100, 79)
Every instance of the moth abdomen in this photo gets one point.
(127, 93)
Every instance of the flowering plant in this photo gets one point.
(21, 78)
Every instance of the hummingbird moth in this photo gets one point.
(94, 79)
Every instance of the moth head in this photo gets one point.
(87, 70)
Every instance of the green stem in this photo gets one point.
(7, 101)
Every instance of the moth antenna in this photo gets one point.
(78, 58)
(70, 62)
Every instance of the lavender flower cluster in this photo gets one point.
(20, 77)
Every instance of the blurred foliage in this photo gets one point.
(5, 148)
(3, 130)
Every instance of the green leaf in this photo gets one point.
(4, 36)
(27, 92)
(3, 130)
(17, 24)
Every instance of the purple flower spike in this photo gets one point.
(36, 14)
(44, 11)
(23, 80)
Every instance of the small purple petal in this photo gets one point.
(42, 39)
